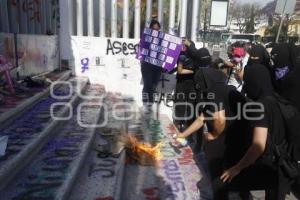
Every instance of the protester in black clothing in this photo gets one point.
(151, 75)
(286, 72)
(189, 63)
(204, 58)
(244, 153)
(211, 90)
(259, 55)
(256, 170)
(185, 90)
(201, 57)
(190, 60)
(219, 115)
(219, 105)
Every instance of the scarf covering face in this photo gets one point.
(259, 55)
(258, 82)
(238, 54)
(204, 57)
(281, 55)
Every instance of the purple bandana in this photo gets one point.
(281, 72)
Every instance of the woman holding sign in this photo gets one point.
(151, 75)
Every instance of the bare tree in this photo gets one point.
(238, 17)
(244, 16)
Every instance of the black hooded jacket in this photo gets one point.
(286, 72)
(212, 81)
(258, 87)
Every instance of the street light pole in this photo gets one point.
(281, 22)
(205, 24)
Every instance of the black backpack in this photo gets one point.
(288, 153)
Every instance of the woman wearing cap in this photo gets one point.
(240, 60)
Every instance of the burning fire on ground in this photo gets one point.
(142, 153)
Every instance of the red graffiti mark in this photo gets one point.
(14, 2)
(187, 157)
(36, 16)
(26, 6)
(29, 6)
(187, 153)
(172, 128)
(104, 198)
(151, 193)
(171, 131)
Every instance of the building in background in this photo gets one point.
(294, 28)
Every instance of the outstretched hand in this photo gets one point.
(229, 174)
(178, 135)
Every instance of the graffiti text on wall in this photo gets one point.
(120, 48)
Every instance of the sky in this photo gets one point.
(262, 2)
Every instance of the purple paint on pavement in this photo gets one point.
(50, 169)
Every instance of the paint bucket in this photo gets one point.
(182, 141)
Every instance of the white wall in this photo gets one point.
(37, 53)
(109, 61)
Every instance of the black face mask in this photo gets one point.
(258, 82)
(280, 56)
(259, 55)
(252, 61)
(204, 57)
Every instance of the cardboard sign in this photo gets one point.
(159, 48)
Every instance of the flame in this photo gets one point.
(143, 153)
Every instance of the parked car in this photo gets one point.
(233, 38)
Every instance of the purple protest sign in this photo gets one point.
(159, 48)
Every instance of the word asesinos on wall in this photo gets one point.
(124, 48)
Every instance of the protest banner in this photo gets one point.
(108, 61)
(159, 48)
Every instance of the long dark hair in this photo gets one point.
(153, 22)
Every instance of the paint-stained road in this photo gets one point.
(69, 166)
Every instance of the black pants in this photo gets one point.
(256, 177)
(184, 101)
(296, 188)
(151, 76)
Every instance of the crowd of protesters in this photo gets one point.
(240, 145)
(242, 113)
